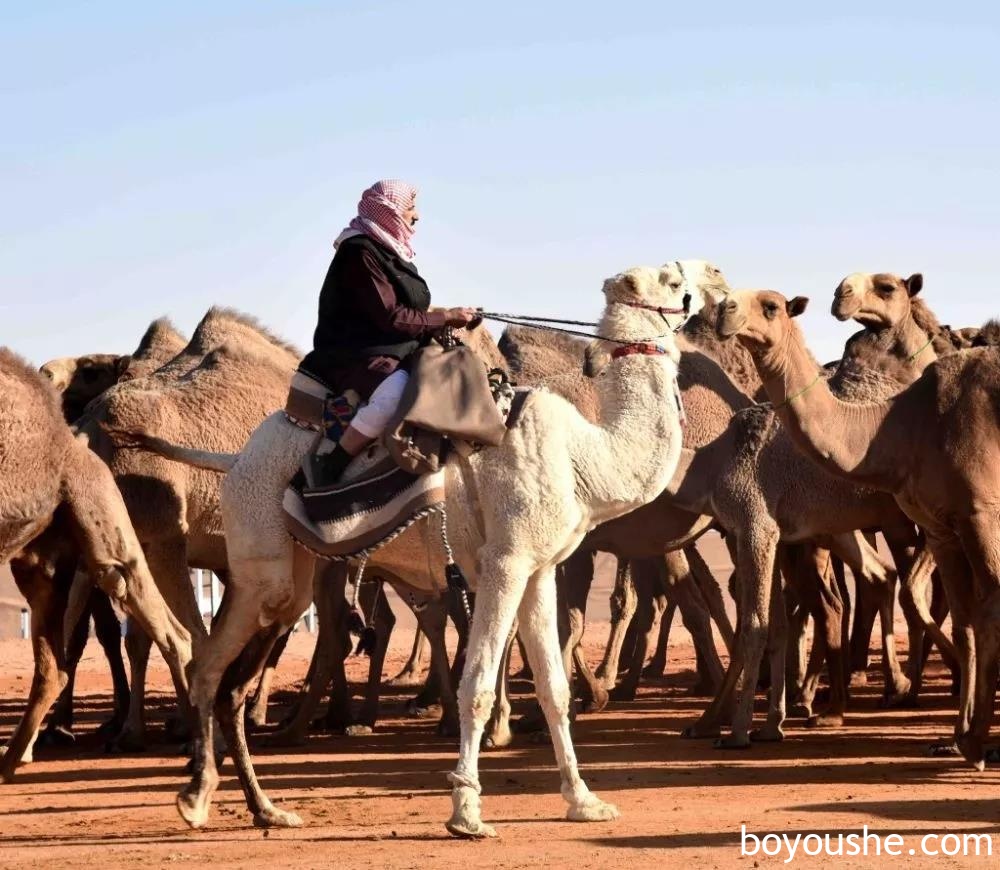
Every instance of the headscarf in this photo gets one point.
(380, 216)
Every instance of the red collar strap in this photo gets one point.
(644, 349)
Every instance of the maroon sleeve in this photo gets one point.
(376, 298)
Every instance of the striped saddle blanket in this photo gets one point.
(375, 501)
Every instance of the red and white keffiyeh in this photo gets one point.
(380, 216)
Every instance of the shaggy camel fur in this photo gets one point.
(515, 511)
(935, 446)
(51, 483)
(232, 372)
(556, 361)
(80, 380)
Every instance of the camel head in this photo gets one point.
(703, 280)
(759, 318)
(642, 304)
(83, 378)
(877, 301)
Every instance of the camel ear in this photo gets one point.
(914, 283)
(122, 364)
(796, 306)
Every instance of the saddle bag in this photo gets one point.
(448, 397)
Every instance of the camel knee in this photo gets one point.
(556, 702)
(477, 705)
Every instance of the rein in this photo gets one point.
(802, 392)
(913, 356)
(544, 323)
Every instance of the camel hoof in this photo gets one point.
(623, 692)
(825, 720)
(767, 734)
(359, 730)
(971, 748)
(449, 728)
(593, 809)
(704, 689)
(107, 730)
(467, 831)
(597, 702)
(272, 817)
(858, 679)
(944, 749)
(404, 680)
(800, 711)
(56, 735)
(420, 711)
(282, 738)
(127, 741)
(465, 818)
(177, 730)
(193, 808)
(701, 732)
(498, 739)
(654, 670)
(731, 741)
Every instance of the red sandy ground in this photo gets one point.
(382, 800)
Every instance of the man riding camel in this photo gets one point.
(373, 314)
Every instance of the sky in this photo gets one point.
(156, 159)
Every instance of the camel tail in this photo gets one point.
(204, 459)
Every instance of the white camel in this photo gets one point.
(515, 512)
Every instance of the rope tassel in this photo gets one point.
(453, 575)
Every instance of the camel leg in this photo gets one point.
(623, 605)
(332, 645)
(247, 610)
(132, 737)
(497, 732)
(257, 712)
(823, 600)
(645, 579)
(497, 599)
(711, 591)
(410, 674)
(236, 683)
(955, 572)
(657, 666)
(575, 578)
(982, 552)
(872, 571)
(432, 620)
(383, 620)
(537, 614)
(59, 728)
(720, 709)
(865, 611)
(46, 594)
(756, 553)
(683, 588)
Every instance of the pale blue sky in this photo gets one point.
(158, 158)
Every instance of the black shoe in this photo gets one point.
(325, 469)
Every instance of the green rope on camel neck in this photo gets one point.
(802, 392)
(913, 356)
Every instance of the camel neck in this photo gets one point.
(846, 438)
(913, 345)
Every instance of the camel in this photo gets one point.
(80, 380)
(515, 512)
(231, 372)
(934, 446)
(901, 337)
(51, 484)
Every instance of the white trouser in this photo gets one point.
(372, 418)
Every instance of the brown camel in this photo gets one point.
(51, 484)
(935, 447)
(80, 380)
(232, 373)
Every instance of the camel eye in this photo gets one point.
(770, 310)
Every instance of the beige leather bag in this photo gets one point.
(447, 397)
